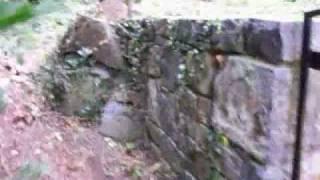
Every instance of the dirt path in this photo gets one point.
(36, 142)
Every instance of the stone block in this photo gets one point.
(153, 62)
(121, 122)
(204, 106)
(311, 147)
(274, 42)
(200, 71)
(94, 37)
(315, 35)
(236, 164)
(177, 159)
(251, 106)
(169, 63)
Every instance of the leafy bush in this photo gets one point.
(21, 10)
(13, 12)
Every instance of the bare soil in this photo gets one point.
(38, 143)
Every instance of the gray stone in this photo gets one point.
(200, 73)
(251, 107)
(123, 94)
(204, 106)
(262, 39)
(199, 133)
(230, 37)
(169, 149)
(291, 40)
(153, 104)
(237, 165)
(273, 41)
(169, 63)
(311, 146)
(189, 158)
(187, 176)
(153, 62)
(120, 122)
(96, 37)
(315, 35)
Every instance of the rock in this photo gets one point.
(200, 73)
(95, 36)
(315, 37)
(229, 37)
(236, 164)
(204, 106)
(153, 62)
(153, 104)
(169, 62)
(121, 122)
(187, 176)
(252, 108)
(262, 39)
(178, 161)
(311, 131)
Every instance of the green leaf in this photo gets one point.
(13, 12)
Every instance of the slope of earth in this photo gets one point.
(37, 143)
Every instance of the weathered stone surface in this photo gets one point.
(241, 104)
(230, 37)
(153, 63)
(204, 106)
(153, 104)
(93, 36)
(311, 131)
(237, 165)
(291, 40)
(126, 95)
(189, 158)
(200, 71)
(271, 41)
(169, 149)
(274, 42)
(187, 176)
(262, 39)
(251, 107)
(121, 122)
(169, 64)
(315, 35)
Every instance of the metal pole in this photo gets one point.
(306, 58)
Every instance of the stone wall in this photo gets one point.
(221, 95)
(218, 98)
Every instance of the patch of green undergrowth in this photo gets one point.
(31, 171)
(16, 11)
(3, 101)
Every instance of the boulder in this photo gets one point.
(121, 122)
(94, 37)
